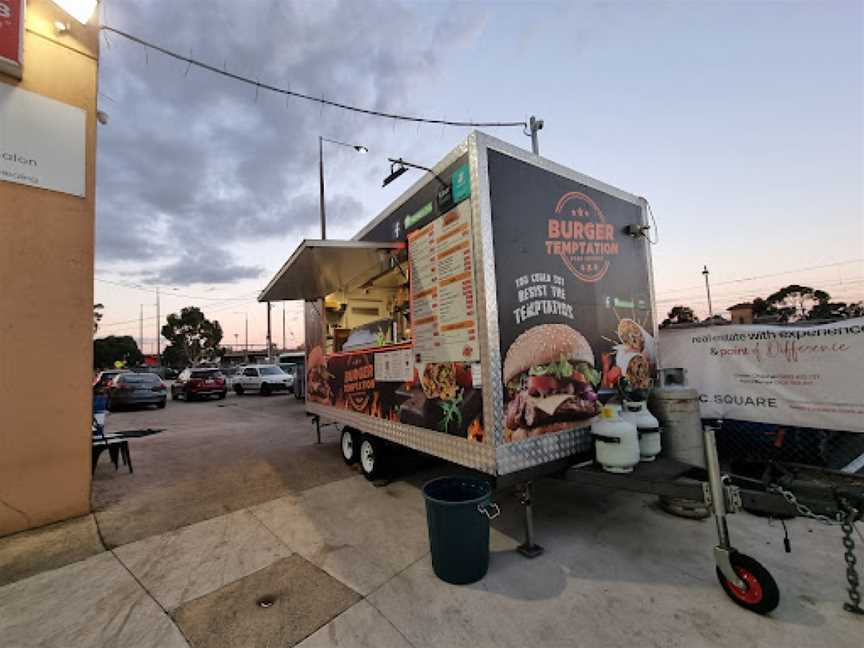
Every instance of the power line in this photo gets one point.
(132, 286)
(767, 276)
(700, 298)
(307, 97)
(153, 317)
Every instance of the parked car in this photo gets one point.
(199, 383)
(129, 388)
(290, 370)
(103, 380)
(264, 379)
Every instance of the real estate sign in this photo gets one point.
(42, 141)
(806, 376)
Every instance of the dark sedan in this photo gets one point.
(130, 389)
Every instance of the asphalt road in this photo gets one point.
(213, 457)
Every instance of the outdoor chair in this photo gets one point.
(117, 446)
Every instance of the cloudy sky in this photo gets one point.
(741, 123)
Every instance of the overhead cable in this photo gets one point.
(766, 276)
(307, 97)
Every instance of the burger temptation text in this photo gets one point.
(572, 238)
(359, 379)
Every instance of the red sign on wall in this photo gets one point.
(11, 36)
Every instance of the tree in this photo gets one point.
(97, 316)
(108, 350)
(193, 338)
(679, 315)
(795, 302)
(835, 310)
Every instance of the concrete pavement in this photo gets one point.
(346, 564)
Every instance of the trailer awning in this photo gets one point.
(318, 268)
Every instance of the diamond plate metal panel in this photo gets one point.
(479, 456)
(539, 450)
(487, 298)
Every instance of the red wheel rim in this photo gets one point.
(753, 594)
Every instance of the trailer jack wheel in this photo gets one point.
(350, 445)
(760, 594)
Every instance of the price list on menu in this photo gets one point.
(443, 294)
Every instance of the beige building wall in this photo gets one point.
(46, 299)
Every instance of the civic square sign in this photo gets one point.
(11, 36)
(42, 141)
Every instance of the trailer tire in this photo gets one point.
(762, 594)
(350, 445)
(372, 457)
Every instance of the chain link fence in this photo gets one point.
(746, 447)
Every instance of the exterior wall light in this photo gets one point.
(80, 10)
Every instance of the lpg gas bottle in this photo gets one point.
(616, 442)
(677, 407)
(636, 412)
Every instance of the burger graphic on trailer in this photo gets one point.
(549, 378)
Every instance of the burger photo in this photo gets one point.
(317, 376)
(550, 378)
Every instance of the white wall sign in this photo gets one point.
(42, 141)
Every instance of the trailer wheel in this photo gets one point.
(762, 594)
(350, 445)
(372, 458)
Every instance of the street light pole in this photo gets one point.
(321, 187)
(158, 331)
(535, 125)
(269, 336)
(246, 345)
(708, 291)
(357, 147)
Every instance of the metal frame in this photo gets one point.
(322, 243)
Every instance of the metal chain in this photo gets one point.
(851, 573)
(847, 525)
(803, 509)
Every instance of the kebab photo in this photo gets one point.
(317, 376)
(550, 382)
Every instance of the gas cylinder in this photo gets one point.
(616, 442)
(677, 407)
(636, 412)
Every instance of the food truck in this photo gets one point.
(479, 315)
(482, 317)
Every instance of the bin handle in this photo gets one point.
(484, 509)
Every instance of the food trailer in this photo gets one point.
(476, 318)
(481, 317)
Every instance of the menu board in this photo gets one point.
(443, 293)
(394, 366)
